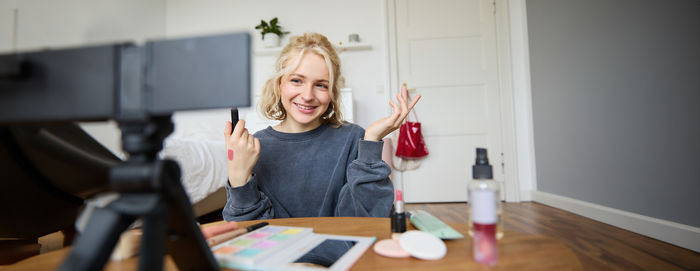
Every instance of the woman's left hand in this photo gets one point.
(379, 129)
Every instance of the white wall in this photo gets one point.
(44, 24)
(364, 71)
(64, 23)
(7, 8)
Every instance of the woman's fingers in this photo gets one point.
(404, 104)
(414, 102)
(239, 139)
(401, 100)
(256, 143)
(239, 128)
(395, 118)
(395, 110)
(404, 93)
(227, 130)
(404, 96)
(251, 141)
(406, 107)
(400, 109)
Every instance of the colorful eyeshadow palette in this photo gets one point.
(289, 248)
(253, 247)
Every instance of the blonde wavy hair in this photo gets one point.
(288, 61)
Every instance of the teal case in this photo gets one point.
(428, 223)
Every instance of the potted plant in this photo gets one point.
(271, 32)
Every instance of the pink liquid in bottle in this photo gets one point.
(485, 244)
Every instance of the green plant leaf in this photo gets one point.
(272, 27)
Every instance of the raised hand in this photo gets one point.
(242, 151)
(382, 127)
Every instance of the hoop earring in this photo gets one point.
(329, 112)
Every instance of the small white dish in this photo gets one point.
(423, 245)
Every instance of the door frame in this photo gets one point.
(522, 92)
(512, 60)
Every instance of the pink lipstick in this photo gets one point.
(398, 216)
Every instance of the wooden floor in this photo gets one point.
(598, 246)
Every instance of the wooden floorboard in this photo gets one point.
(599, 246)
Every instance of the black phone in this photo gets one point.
(234, 117)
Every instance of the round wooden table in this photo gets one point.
(517, 251)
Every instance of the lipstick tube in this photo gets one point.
(398, 216)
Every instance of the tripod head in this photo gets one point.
(142, 139)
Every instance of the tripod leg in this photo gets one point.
(102, 232)
(187, 246)
(155, 228)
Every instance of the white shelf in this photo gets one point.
(340, 48)
(353, 47)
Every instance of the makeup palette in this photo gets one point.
(251, 248)
(290, 248)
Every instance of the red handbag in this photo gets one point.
(410, 144)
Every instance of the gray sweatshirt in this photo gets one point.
(323, 172)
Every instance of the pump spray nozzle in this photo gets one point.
(481, 168)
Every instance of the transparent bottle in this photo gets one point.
(484, 194)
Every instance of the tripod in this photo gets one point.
(149, 188)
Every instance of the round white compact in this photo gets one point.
(423, 245)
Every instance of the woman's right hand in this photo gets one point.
(242, 151)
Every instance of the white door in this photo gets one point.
(446, 50)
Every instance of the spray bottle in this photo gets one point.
(484, 205)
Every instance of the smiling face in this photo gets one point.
(305, 94)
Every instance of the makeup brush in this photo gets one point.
(233, 234)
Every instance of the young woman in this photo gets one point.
(312, 163)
